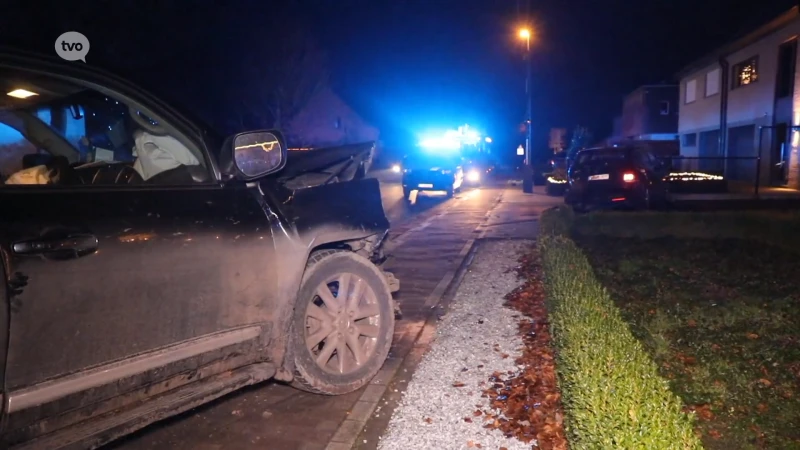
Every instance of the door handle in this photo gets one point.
(74, 245)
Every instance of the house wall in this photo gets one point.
(659, 120)
(642, 112)
(634, 114)
(699, 116)
(750, 105)
(328, 121)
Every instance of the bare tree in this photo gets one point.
(581, 138)
(278, 83)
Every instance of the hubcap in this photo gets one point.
(342, 324)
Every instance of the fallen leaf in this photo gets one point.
(692, 323)
(752, 336)
(428, 420)
(715, 434)
(477, 413)
(478, 445)
(458, 384)
(762, 407)
(467, 419)
(704, 412)
(765, 382)
(504, 355)
(470, 444)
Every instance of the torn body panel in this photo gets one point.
(346, 215)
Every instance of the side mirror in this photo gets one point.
(255, 154)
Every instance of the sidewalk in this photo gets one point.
(476, 337)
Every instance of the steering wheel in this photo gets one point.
(144, 121)
(131, 178)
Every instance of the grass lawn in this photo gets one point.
(720, 316)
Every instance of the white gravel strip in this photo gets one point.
(432, 411)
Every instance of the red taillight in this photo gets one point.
(618, 199)
(628, 177)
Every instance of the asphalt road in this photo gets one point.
(428, 237)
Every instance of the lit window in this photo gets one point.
(745, 72)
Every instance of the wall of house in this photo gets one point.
(749, 107)
(328, 121)
(661, 105)
(634, 114)
(701, 115)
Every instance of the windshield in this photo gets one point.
(429, 161)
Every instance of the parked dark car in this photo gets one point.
(140, 284)
(432, 171)
(616, 176)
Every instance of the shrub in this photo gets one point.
(612, 392)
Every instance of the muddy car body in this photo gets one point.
(129, 298)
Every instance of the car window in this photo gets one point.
(646, 158)
(430, 161)
(608, 155)
(60, 132)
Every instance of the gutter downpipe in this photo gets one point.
(723, 108)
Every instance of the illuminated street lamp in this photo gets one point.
(527, 169)
(526, 34)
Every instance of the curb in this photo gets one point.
(349, 430)
(346, 435)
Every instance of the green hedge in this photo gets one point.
(612, 392)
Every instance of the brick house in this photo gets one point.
(741, 101)
(328, 121)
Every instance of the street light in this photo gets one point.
(527, 170)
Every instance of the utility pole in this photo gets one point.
(527, 167)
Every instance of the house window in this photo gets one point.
(745, 72)
(691, 91)
(690, 140)
(664, 109)
(712, 82)
(786, 68)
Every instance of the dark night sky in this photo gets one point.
(416, 64)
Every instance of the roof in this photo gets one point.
(752, 37)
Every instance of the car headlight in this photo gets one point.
(396, 168)
(473, 175)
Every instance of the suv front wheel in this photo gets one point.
(342, 325)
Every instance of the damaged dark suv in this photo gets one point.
(150, 266)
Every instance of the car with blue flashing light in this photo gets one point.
(432, 171)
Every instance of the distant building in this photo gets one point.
(742, 94)
(650, 113)
(328, 121)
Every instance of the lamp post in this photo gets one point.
(527, 167)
